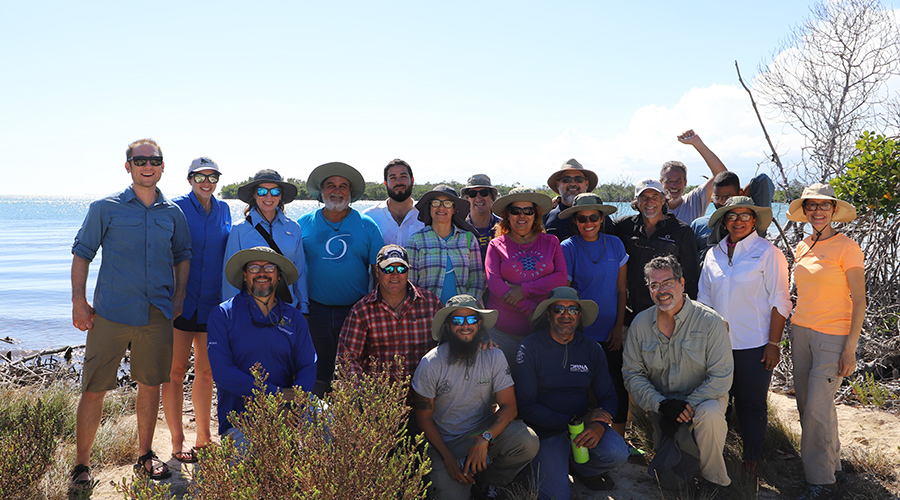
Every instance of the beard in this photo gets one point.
(400, 196)
(262, 289)
(337, 206)
(464, 349)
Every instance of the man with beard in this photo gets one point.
(455, 387)
(481, 194)
(568, 182)
(255, 327)
(340, 245)
(557, 370)
(678, 367)
(397, 216)
(674, 177)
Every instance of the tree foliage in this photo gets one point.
(872, 180)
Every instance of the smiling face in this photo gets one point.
(521, 224)
(667, 292)
(393, 284)
(818, 217)
(480, 205)
(399, 183)
(268, 204)
(589, 230)
(722, 194)
(442, 215)
(260, 284)
(336, 193)
(205, 189)
(674, 182)
(738, 229)
(562, 326)
(569, 190)
(650, 203)
(146, 176)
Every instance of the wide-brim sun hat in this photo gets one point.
(288, 190)
(322, 172)
(572, 164)
(234, 268)
(488, 316)
(479, 181)
(589, 308)
(460, 207)
(588, 201)
(844, 212)
(763, 214)
(500, 205)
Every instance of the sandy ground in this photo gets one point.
(869, 429)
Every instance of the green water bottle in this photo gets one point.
(576, 427)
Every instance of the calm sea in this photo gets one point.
(36, 235)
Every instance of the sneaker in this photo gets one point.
(819, 492)
(487, 492)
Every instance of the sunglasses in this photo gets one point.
(731, 217)
(577, 179)
(573, 310)
(445, 203)
(394, 268)
(484, 192)
(255, 269)
(521, 211)
(812, 206)
(140, 161)
(201, 178)
(458, 320)
(274, 192)
(585, 218)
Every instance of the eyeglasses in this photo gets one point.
(812, 206)
(274, 192)
(584, 218)
(445, 203)
(521, 210)
(573, 310)
(744, 217)
(484, 192)
(458, 320)
(394, 268)
(201, 178)
(255, 269)
(567, 179)
(140, 161)
(662, 285)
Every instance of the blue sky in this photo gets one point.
(512, 89)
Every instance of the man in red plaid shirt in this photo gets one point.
(394, 319)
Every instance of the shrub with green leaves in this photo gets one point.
(28, 434)
(872, 180)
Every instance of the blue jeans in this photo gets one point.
(325, 323)
(552, 461)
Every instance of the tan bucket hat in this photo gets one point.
(322, 172)
(844, 212)
(572, 164)
(234, 269)
(488, 316)
(589, 309)
(521, 194)
(763, 214)
(588, 201)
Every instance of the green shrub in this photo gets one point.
(27, 441)
(870, 392)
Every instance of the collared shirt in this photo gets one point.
(141, 246)
(428, 254)
(745, 288)
(286, 233)
(374, 328)
(393, 233)
(561, 228)
(239, 336)
(209, 234)
(694, 365)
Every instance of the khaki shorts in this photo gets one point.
(151, 352)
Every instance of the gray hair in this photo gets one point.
(663, 262)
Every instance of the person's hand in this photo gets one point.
(456, 473)
(771, 356)
(82, 315)
(597, 415)
(590, 436)
(488, 344)
(614, 341)
(476, 461)
(677, 410)
(689, 137)
(514, 295)
(177, 306)
(847, 364)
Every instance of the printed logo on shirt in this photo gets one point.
(483, 381)
(336, 247)
(520, 355)
(579, 368)
(668, 238)
(443, 388)
(528, 264)
(285, 326)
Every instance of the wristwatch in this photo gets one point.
(487, 436)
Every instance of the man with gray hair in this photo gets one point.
(482, 195)
(678, 367)
(673, 176)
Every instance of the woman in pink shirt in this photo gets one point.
(523, 263)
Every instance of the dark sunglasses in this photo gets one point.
(140, 161)
(445, 203)
(275, 191)
(567, 179)
(584, 218)
(255, 269)
(521, 211)
(458, 320)
(484, 192)
(394, 268)
(201, 178)
(731, 217)
(573, 310)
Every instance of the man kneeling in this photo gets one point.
(455, 386)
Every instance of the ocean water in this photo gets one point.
(36, 235)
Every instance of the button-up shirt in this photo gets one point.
(694, 364)
(393, 233)
(374, 328)
(428, 254)
(141, 246)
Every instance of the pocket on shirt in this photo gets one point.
(166, 225)
(125, 233)
(651, 354)
(694, 348)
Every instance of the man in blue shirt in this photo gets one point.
(255, 327)
(140, 289)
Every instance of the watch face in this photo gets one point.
(487, 436)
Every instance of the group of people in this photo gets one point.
(515, 315)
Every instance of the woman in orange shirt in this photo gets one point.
(831, 303)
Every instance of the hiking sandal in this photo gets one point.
(156, 465)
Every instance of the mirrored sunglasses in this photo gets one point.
(458, 320)
(201, 178)
(394, 268)
(274, 192)
(573, 310)
(140, 161)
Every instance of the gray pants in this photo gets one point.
(510, 452)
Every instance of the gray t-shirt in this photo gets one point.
(693, 206)
(463, 392)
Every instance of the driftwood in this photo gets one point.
(42, 368)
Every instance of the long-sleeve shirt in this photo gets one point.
(537, 267)
(745, 288)
(428, 254)
(239, 336)
(286, 234)
(393, 233)
(694, 365)
(209, 234)
(141, 246)
(549, 392)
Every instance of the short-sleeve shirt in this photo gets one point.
(823, 294)
(693, 205)
(463, 393)
(593, 269)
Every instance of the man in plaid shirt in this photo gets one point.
(394, 319)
